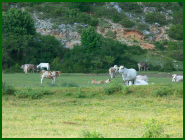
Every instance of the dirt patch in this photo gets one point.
(72, 123)
(133, 34)
(147, 46)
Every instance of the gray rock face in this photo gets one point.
(145, 32)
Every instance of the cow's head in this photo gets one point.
(58, 73)
(174, 77)
(121, 67)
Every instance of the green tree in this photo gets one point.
(18, 22)
(168, 66)
(126, 22)
(176, 32)
(90, 39)
(178, 17)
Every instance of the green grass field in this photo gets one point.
(130, 113)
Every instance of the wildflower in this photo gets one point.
(84, 126)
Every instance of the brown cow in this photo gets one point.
(50, 75)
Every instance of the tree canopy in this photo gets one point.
(17, 22)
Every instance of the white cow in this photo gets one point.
(128, 74)
(113, 71)
(177, 78)
(141, 82)
(142, 77)
(43, 65)
(50, 75)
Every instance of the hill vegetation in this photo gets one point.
(22, 44)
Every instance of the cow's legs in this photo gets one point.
(41, 80)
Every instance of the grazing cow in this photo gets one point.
(43, 65)
(128, 74)
(142, 64)
(107, 81)
(112, 71)
(142, 77)
(177, 78)
(27, 67)
(50, 75)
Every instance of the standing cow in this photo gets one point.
(43, 65)
(112, 71)
(27, 67)
(50, 75)
(141, 65)
(128, 75)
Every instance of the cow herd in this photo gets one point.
(129, 76)
(44, 74)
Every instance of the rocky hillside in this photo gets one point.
(69, 36)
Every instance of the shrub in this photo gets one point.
(125, 89)
(126, 22)
(32, 94)
(80, 94)
(7, 89)
(54, 26)
(116, 18)
(155, 17)
(112, 88)
(29, 93)
(69, 84)
(168, 66)
(176, 32)
(159, 46)
(45, 92)
(92, 134)
(153, 129)
(130, 6)
(142, 27)
(110, 33)
(178, 55)
(161, 92)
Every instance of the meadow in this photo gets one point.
(75, 108)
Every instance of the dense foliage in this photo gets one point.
(18, 22)
(21, 44)
(176, 32)
(155, 17)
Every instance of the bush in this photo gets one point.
(159, 46)
(153, 129)
(141, 27)
(130, 7)
(92, 134)
(168, 66)
(7, 89)
(112, 88)
(116, 18)
(155, 17)
(69, 84)
(110, 33)
(80, 94)
(126, 22)
(161, 92)
(32, 94)
(176, 32)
